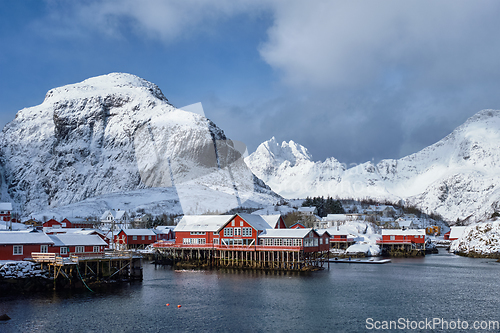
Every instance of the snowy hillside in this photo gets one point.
(456, 177)
(117, 133)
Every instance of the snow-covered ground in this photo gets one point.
(15, 226)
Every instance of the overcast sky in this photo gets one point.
(356, 80)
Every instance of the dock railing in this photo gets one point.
(43, 257)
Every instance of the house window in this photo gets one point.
(232, 223)
(96, 249)
(237, 231)
(149, 237)
(228, 232)
(44, 248)
(64, 250)
(241, 223)
(321, 241)
(143, 237)
(247, 232)
(134, 237)
(79, 249)
(216, 241)
(18, 250)
(392, 237)
(216, 233)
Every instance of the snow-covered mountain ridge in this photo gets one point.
(457, 177)
(113, 134)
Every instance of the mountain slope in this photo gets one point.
(112, 134)
(456, 177)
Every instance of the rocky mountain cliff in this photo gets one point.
(457, 177)
(113, 134)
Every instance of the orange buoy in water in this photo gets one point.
(178, 306)
(168, 304)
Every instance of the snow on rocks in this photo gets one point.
(20, 270)
(482, 239)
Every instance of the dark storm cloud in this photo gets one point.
(356, 80)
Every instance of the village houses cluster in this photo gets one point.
(117, 231)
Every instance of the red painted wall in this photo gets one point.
(51, 223)
(7, 251)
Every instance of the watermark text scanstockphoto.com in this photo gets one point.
(431, 324)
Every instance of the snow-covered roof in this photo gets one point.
(285, 233)
(406, 232)
(335, 217)
(272, 220)
(138, 232)
(405, 223)
(307, 209)
(5, 206)
(165, 227)
(72, 231)
(320, 232)
(256, 221)
(24, 237)
(456, 232)
(202, 222)
(117, 215)
(77, 240)
(335, 232)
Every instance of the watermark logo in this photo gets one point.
(439, 324)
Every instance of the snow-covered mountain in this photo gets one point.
(457, 177)
(115, 134)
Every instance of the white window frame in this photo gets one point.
(134, 237)
(237, 231)
(80, 249)
(63, 250)
(143, 237)
(216, 241)
(392, 237)
(246, 232)
(228, 232)
(44, 248)
(17, 250)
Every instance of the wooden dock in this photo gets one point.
(245, 257)
(91, 268)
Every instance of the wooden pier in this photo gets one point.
(90, 269)
(251, 257)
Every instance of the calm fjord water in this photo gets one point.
(336, 300)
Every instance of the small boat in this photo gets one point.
(360, 261)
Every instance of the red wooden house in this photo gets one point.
(405, 239)
(307, 240)
(77, 223)
(80, 245)
(134, 238)
(242, 230)
(5, 211)
(199, 230)
(52, 223)
(165, 232)
(18, 245)
(341, 239)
